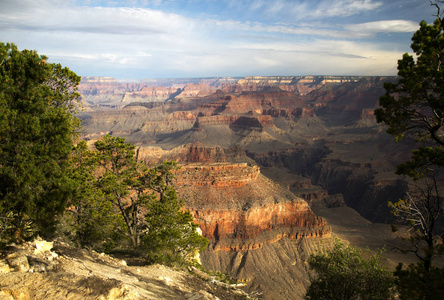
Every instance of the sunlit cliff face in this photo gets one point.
(238, 208)
(316, 136)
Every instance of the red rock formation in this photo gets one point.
(197, 90)
(260, 101)
(230, 230)
(188, 153)
(151, 94)
(216, 120)
(235, 120)
(305, 112)
(215, 175)
(237, 208)
(319, 127)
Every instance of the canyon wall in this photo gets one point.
(247, 217)
(256, 153)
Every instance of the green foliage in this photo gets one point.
(14, 229)
(414, 106)
(416, 283)
(172, 236)
(223, 277)
(121, 179)
(424, 160)
(344, 273)
(90, 216)
(37, 126)
(114, 193)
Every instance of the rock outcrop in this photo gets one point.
(151, 94)
(318, 131)
(64, 272)
(187, 153)
(244, 214)
(238, 208)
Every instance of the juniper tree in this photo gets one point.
(120, 180)
(37, 127)
(90, 217)
(414, 107)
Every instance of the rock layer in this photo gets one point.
(238, 230)
(238, 208)
(318, 131)
(256, 228)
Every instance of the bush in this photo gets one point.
(343, 273)
(415, 283)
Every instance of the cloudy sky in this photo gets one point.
(204, 38)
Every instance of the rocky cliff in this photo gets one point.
(106, 91)
(315, 135)
(241, 211)
(244, 214)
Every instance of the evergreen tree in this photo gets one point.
(37, 127)
(414, 108)
(119, 179)
(90, 216)
(146, 201)
(171, 236)
(416, 283)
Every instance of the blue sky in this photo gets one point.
(138, 39)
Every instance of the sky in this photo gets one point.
(138, 39)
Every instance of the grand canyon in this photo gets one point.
(272, 168)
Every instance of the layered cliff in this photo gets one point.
(316, 135)
(151, 94)
(300, 85)
(276, 121)
(108, 92)
(244, 215)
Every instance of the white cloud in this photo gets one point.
(103, 20)
(151, 42)
(386, 26)
(309, 9)
(343, 8)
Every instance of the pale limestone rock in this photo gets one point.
(42, 246)
(5, 296)
(18, 262)
(52, 256)
(16, 294)
(200, 274)
(4, 267)
(121, 292)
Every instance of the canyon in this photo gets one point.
(262, 160)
